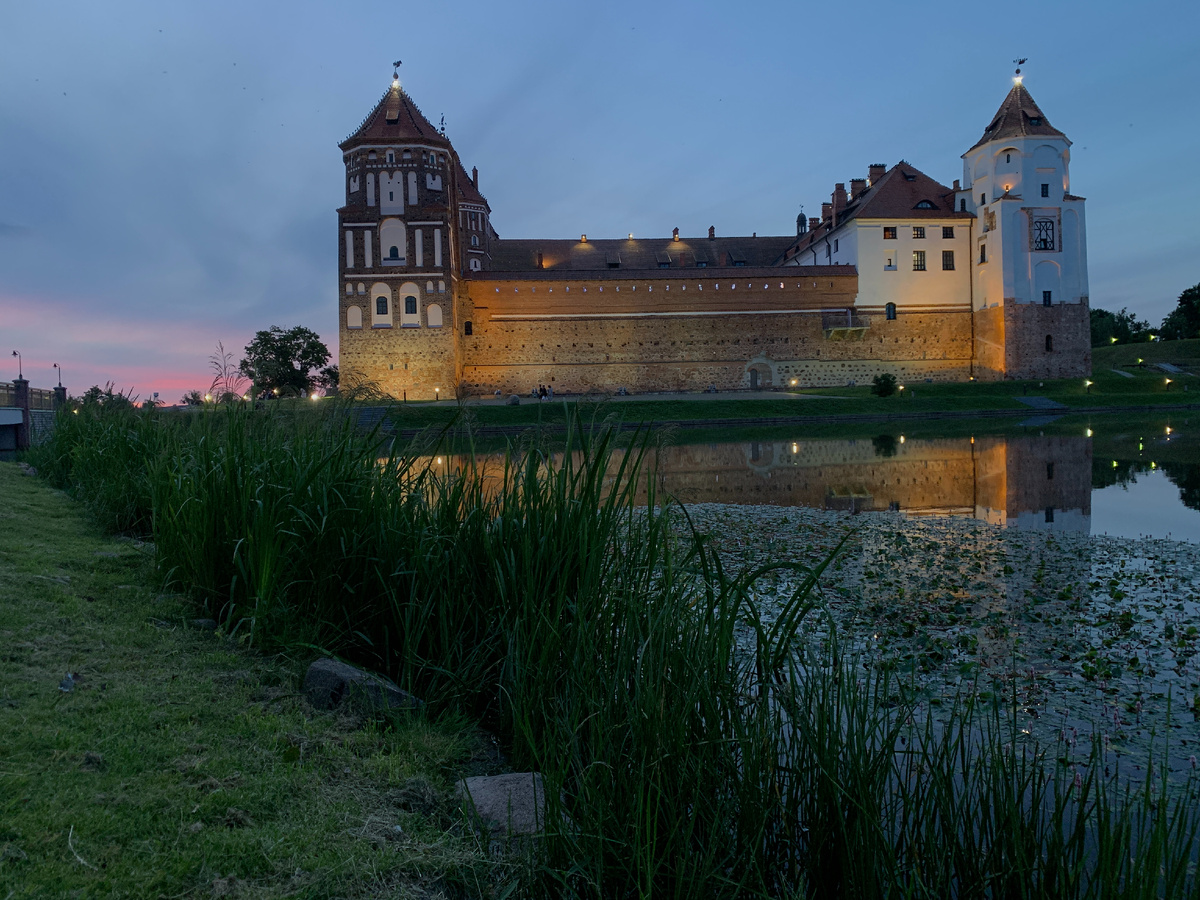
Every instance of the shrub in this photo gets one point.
(883, 385)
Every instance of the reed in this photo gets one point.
(693, 745)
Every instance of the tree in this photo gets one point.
(327, 380)
(284, 361)
(1184, 320)
(1126, 327)
(192, 398)
(228, 384)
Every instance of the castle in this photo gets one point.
(986, 279)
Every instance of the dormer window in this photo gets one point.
(925, 204)
(1035, 120)
(909, 176)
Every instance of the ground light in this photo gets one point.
(1088, 384)
(1087, 433)
(315, 396)
(1167, 382)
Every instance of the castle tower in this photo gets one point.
(1029, 253)
(400, 253)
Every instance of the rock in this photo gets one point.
(514, 400)
(329, 683)
(512, 804)
(205, 624)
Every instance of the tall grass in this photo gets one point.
(692, 745)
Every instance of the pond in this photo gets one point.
(1061, 570)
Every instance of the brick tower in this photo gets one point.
(401, 252)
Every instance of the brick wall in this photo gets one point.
(1026, 326)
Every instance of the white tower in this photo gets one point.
(1030, 246)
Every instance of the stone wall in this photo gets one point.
(413, 363)
(1026, 326)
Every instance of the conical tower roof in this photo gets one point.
(1018, 116)
(395, 119)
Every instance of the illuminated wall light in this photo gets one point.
(1168, 429)
(795, 448)
(1088, 433)
(583, 239)
(902, 439)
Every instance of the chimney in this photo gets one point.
(858, 187)
(826, 211)
(957, 186)
(875, 171)
(674, 234)
(475, 177)
(813, 223)
(712, 232)
(839, 195)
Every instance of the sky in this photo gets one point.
(169, 172)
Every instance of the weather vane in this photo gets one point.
(1019, 62)
(442, 127)
(395, 73)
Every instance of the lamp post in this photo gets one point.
(1087, 384)
(19, 373)
(58, 369)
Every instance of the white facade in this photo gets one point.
(1030, 241)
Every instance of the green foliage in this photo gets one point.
(284, 361)
(883, 385)
(192, 398)
(1184, 320)
(1126, 327)
(690, 744)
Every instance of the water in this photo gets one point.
(1055, 483)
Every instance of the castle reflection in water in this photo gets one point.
(1031, 482)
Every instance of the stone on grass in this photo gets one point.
(330, 683)
(506, 805)
(514, 400)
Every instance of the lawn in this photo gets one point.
(180, 763)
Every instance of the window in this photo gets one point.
(393, 252)
(962, 204)
(354, 317)
(983, 199)
(1045, 190)
(381, 306)
(391, 196)
(467, 329)
(1043, 234)
(889, 261)
(410, 306)
(983, 253)
(918, 260)
(890, 311)
(835, 245)
(925, 204)
(947, 260)
(1049, 471)
(1008, 157)
(474, 240)
(1049, 515)
(1036, 120)
(889, 232)
(918, 232)
(1049, 343)
(433, 315)
(947, 232)
(391, 157)
(1046, 295)
(476, 265)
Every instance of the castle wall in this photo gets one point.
(1026, 326)
(686, 334)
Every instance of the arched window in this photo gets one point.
(890, 311)
(925, 204)
(475, 265)
(429, 287)
(467, 328)
(474, 240)
(391, 157)
(1049, 342)
(393, 252)
(381, 305)
(354, 317)
(394, 236)
(410, 306)
(433, 315)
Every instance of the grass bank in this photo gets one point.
(182, 763)
(1145, 389)
(690, 748)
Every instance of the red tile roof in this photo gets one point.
(1018, 116)
(395, 119)
(904, 192)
